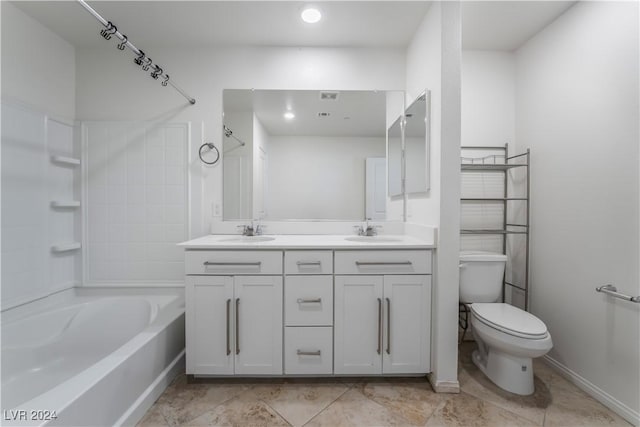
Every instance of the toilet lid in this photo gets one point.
(510, 319)
(482, 256)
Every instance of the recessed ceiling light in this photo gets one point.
(289, 115)
(311, 15)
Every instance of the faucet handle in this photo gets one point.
(359, 230)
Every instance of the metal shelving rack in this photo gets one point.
(509, 162)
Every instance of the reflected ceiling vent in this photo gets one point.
(329, 96)
(323, 114)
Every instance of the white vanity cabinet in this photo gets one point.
(234, 312)
(382, 312)
(308, 312)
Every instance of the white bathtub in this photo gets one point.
(90, 359)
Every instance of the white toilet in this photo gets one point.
(507, 337)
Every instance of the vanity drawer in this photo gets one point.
(233, 262)
(308, 262)
(383, 262)
(308, 350)
(308, 300)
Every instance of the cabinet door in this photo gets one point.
(209, 338)
(407, 324)
(358, 323)
(258, 329)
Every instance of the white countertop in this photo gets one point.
(307, 241)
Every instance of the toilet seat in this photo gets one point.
(510, 320)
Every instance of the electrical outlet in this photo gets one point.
(216, 209)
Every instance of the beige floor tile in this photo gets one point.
(243, 410)
(153, 418)
(551, 377)
(298, 403)
(182, 402)
(571, 408)
(468, 411)
(354, 409)
(414, 401)
(532, 407)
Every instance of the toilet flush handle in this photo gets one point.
(462, 265)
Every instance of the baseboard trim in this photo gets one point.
(596, 392)
(443, 386)
(140, 407)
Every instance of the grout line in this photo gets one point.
(328, 405)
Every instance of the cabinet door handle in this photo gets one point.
(241, 264)
(388, 325)
(309, 300)
(237, 325)
(379, 324)
(228, 325)
(368, 263)
(301, 263)
(308, 353)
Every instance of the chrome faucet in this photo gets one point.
(367, 229)
(251, 230)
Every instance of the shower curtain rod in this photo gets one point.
(141, 54)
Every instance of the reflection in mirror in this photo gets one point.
(307, 155)
(394, 136)
(416, 134)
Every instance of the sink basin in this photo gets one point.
(248, 239)
(373, 239)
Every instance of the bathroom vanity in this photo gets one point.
(308, 305)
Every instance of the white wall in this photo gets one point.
(111, 87)
(488, 119)
(423, 71)
(488, 94)
(577, 108)
(314, 177)
(38, 83)
(433, 62)
(38, 66)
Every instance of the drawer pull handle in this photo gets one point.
(379, 325)
(309, 300)
(388, 325)
(223, 264)
(367, 263)
(303, 263)
(237, 325)
(228, 324)
(308, 353)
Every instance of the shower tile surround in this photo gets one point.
(136, 201)
(366, 401)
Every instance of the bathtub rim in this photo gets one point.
(64, 394)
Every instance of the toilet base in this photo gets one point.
(511, 373)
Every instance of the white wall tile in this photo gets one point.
(137, 210)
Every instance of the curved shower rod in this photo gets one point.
(112, 30)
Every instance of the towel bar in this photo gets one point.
(613, 291)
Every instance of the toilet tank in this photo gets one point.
(481, 275)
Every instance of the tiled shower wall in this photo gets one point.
(39, 212)
(136, 202)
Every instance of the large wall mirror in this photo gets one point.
(417, 145)
(304, 155)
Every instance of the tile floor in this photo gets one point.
(378, 402)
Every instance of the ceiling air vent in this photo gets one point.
(323, 114)
(329, 96)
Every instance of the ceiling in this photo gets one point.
(506, 25)
(215, 23)
(352, 113)
(491, 25)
